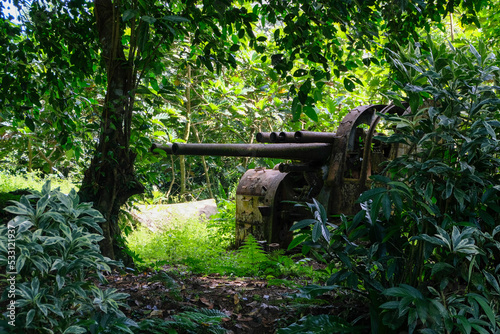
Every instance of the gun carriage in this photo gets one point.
(332, 167)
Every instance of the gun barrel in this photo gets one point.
(286, 137)
(314, 137)
(305, 152)
(264, 137)
(166, 147)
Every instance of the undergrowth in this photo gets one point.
(204, 248)
(32, 181)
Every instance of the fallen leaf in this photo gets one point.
(253, 312)
(207, 302)
(156, 313)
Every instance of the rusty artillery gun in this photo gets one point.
(331, 167)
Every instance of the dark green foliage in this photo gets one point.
(5, 198)
(196, 321)
(424, 250)
(319, 324)
(56, 255)
(223, 224)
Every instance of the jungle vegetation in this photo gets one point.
(87, 87)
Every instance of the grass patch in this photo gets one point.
(203, 247)
(12, 186)
(33, 181)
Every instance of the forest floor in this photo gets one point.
(251, 305)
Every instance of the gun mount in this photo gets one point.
(333, 168)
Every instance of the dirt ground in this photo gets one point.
(251, 305)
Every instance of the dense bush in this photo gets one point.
(57, 261)
(425, 248)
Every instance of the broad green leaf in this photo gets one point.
(311, 113)
(177, 19)
(303, 223)
(43, 308)
(476, 54)
(66, 230)
(30, 316)
(35, 285)
(317, 231)
(321, 209)
(296, 108)
(464, 322)
(300, 73)
(371, 194)
(42, 204)
(20, 209)
(490, 130)
(492, 280)
(349, 85)
(21, 259)
(325, 233)
(392, 305)
(386, 206)
(297, 240)
(479, 329)
(75, 330)
(143, 37)
(313, 291)
(485, 306)
(449, 188)
(65, 200)
(55, 216)
(273, 75)
(60, 281)
(318, 324)
(442, 266)
(24, 226)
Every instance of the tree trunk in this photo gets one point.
(187, 129)
(110, 179)
(204, 162)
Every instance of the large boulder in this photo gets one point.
(157, 216)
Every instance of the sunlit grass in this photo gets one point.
(33, 181)
(200, 247)
(174, 243)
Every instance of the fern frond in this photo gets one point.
(251, 252)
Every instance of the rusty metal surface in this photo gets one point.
(314, 152)
(351, 159)
(261, 203)
(256, 204)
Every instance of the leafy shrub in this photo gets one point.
(319, 324)
(197, 321)
(222, 225)
(57, 255)
(424, 249)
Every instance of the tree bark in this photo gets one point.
(110, 179)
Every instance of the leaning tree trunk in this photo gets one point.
(110, 179)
